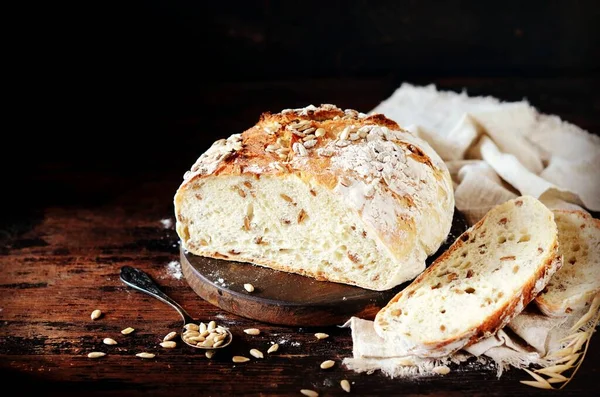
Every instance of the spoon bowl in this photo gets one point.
(193, 333)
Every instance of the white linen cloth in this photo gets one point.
(495, 151)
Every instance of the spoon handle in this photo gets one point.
(141, 281)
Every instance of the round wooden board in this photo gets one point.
(286, 298)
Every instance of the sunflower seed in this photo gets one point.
(311, 143)
(191, 334)
(191, 327)
(252, 331)
(344, 134)
(196, 339)
(271, 148)
(96, 354)
(321, 335)
(256, 353)
(309, 393)
(168, 344)
(240, 359)
(273, 348)
(209, 354)
(320, 132)
(539, 385)
(309, 130)
(212, 325)
(327, 364)
(442, 370)
(343, 143)
(354, 136)
(219, 337)
(202, 328)
(109, 341)
(145, 355)
(170, 336)
(96, 314)
(345, 385)
(206, 343)
(218, 343)
(249, 287)
(127, 331)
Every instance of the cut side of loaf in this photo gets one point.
(576, 284)
(488, 275)
(330, 194)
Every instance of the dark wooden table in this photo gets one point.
(73, 221)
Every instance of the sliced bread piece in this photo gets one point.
(488, 275)
(576, 284)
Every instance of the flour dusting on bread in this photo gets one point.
(368, 201)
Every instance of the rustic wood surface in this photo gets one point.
(71, 222)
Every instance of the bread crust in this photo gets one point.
(494, 322)
(270, 149)
(560, 310)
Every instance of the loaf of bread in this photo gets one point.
(488, 276)
(330, 194)
(576, 284)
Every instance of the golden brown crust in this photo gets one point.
(504, 314)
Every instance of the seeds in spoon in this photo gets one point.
(273, 348)
(127, 331)
(168, 344)
(327, 364)
(252, 331)
(109, 341)
(256, 353)
(240, 359)
(170, 336)
(321, 335)
(309, 393)
(145, 355)
(96, 354)
(202, 328)
(345, 385)
(249, 287)
(96, 314)
(212, 325)
(218, 343)
(191, 327)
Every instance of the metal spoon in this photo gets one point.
(141, 281)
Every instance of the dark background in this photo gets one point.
(145, 87)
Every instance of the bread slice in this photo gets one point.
(576, 284)
(331, 194)
(488, 275)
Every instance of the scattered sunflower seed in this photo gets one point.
(96, 314)
(321, 335)
(170, 336)
(327, 364)
(96, 354)
(249, 287)
(240, 359)
(345, 385)
(109, 341)
(168, 344)
(145, 355)
(273, 348)
(127, 331)
(252, 331)
(209, 354)
(309, 393)
(256, 353)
